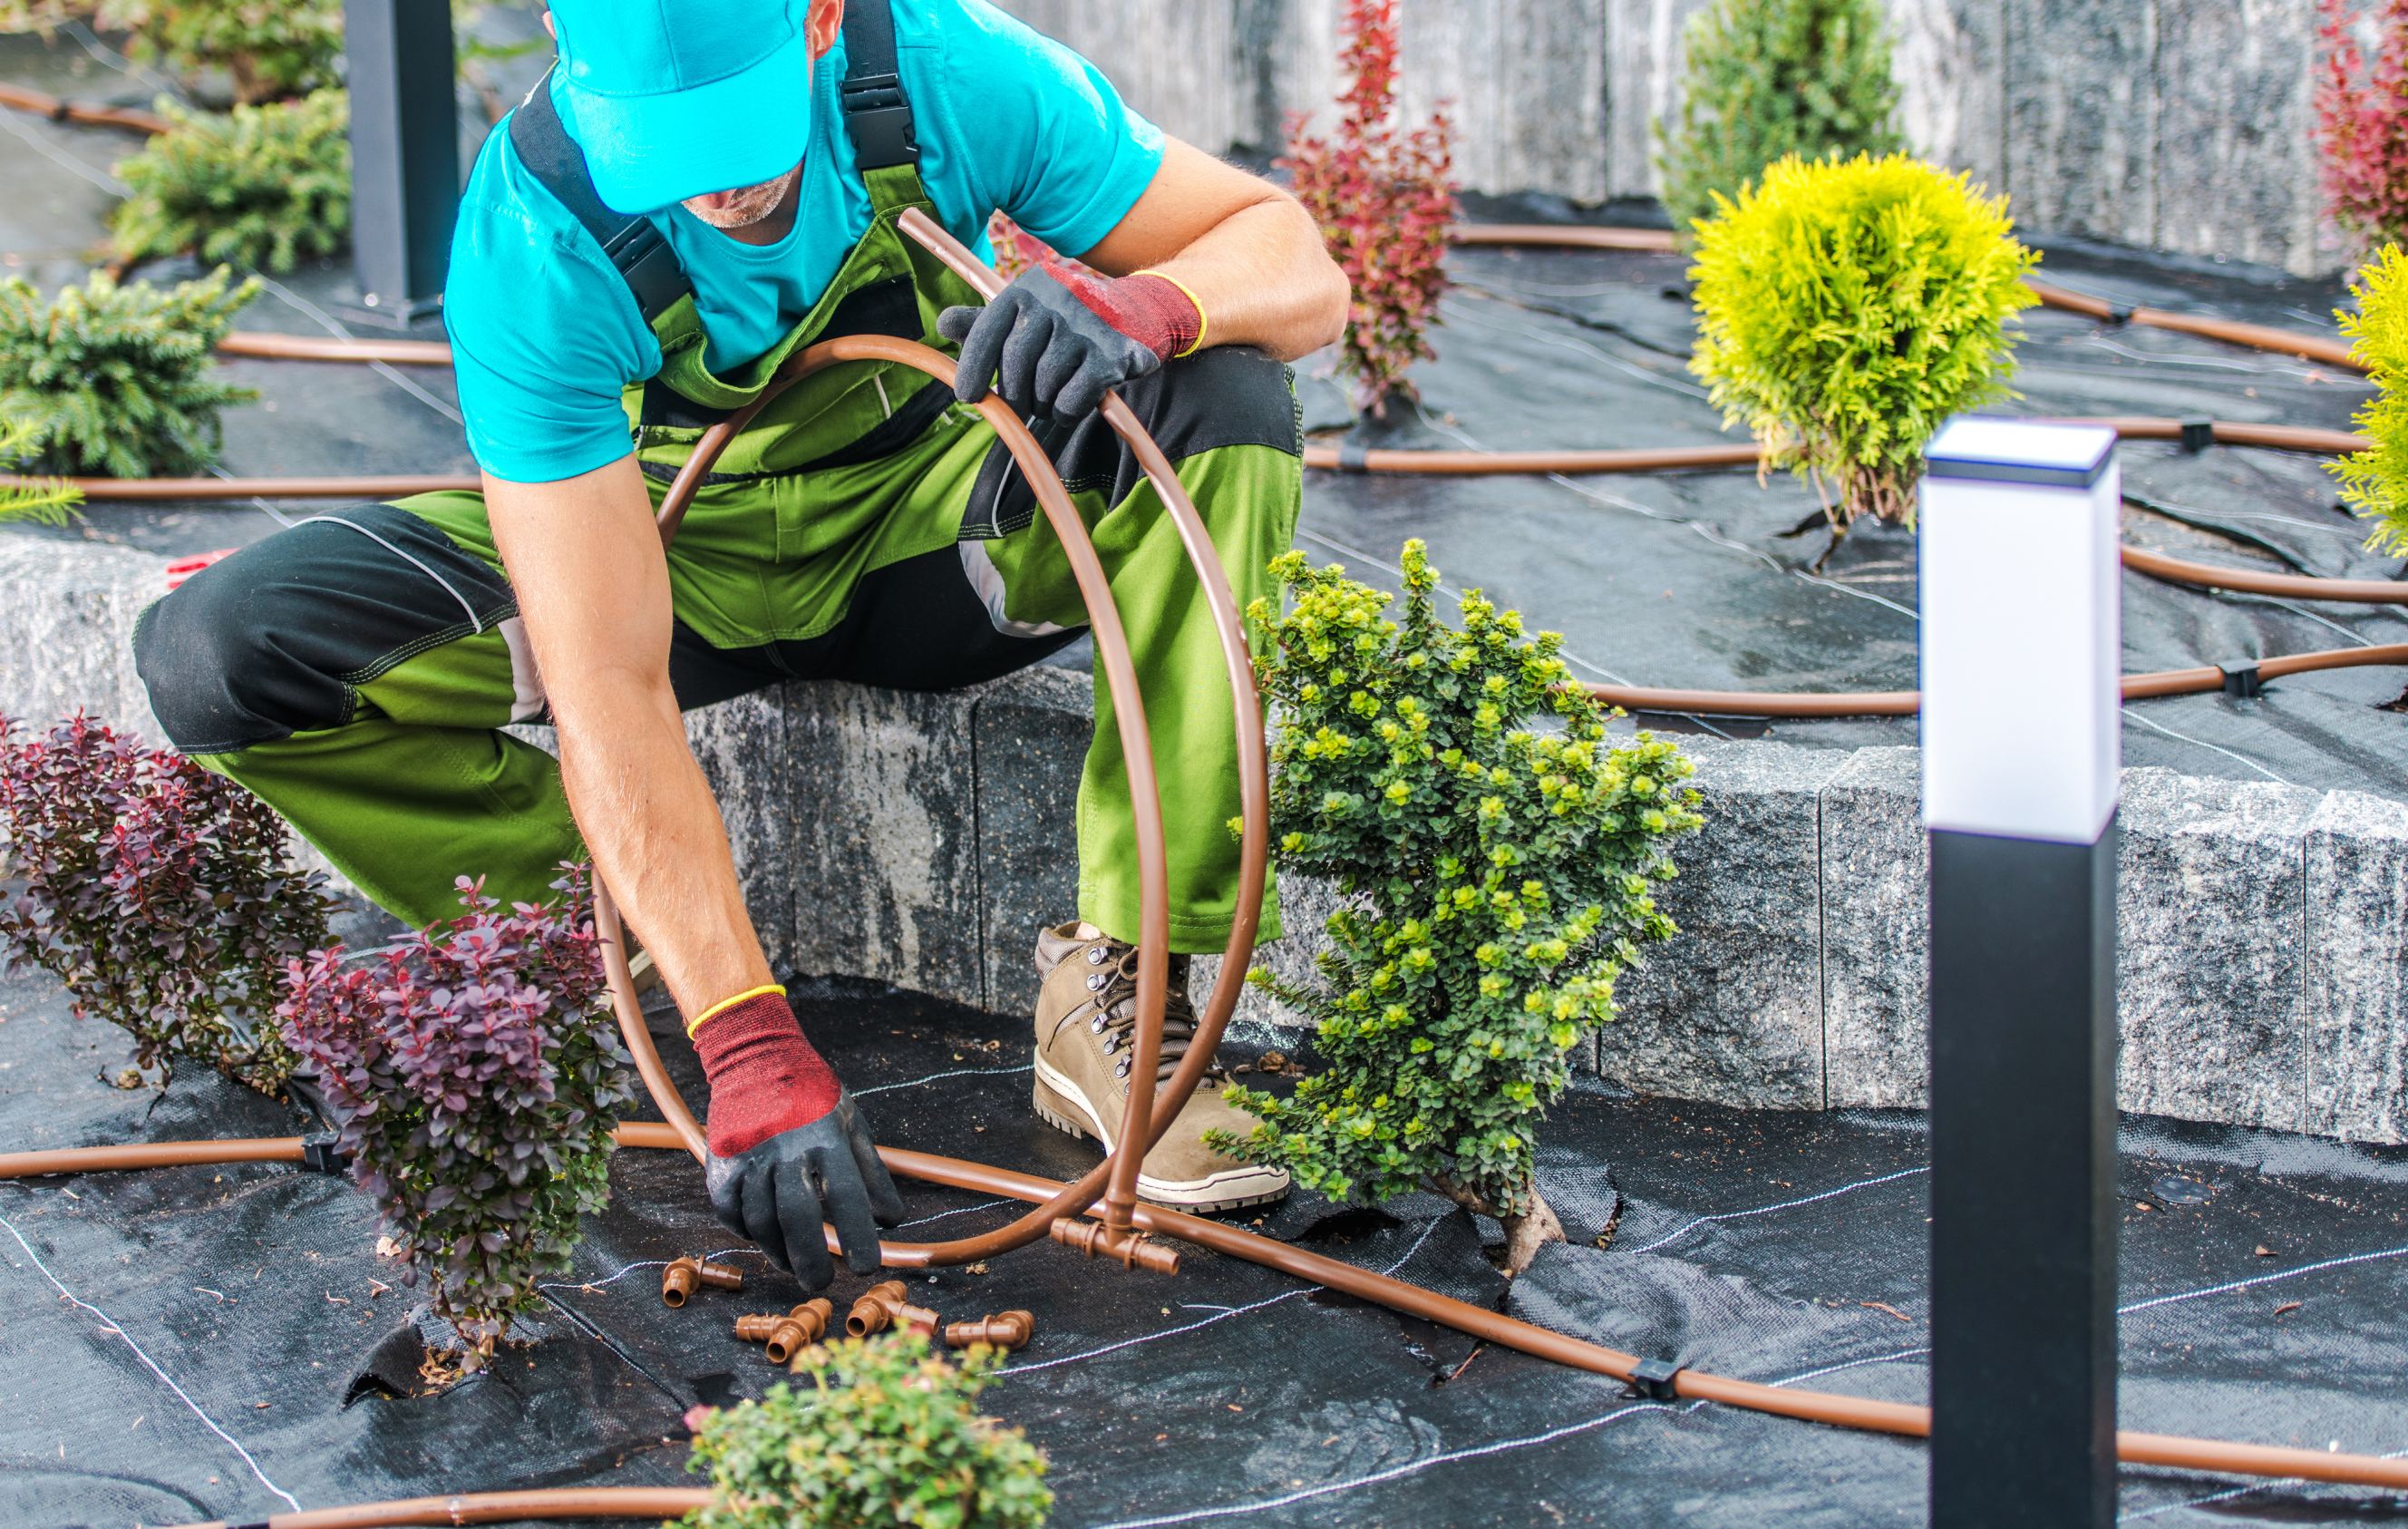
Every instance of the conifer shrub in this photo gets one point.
(261, 187)
(1762, 79)
(474, 1078)
(272, 50)
(46, 502)
(2361, 105)
(1499, 857)
(162, 897)
(1846, 308)
(118, 380)
(887, 1435)
(2374, 481)
(1383, 194)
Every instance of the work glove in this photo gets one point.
(1058, 337)
(788, 1148)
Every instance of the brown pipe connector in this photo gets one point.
(1007, 1330)
(1131, 1250)
(887, 1305)
(784, 1335)
(683, 1274)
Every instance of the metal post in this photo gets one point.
(2021, 600)
(405, 152)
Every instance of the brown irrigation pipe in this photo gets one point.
(399, 486)
(262, 345)
(492, 1508)
(2255, 336)
(71, 111)
(2254, 581)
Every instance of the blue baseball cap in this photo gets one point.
(673, 98)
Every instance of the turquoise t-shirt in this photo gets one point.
(545, 334)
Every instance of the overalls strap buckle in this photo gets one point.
(877, 114)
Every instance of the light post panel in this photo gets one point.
(2021, 659)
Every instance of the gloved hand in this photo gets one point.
(788, 1148)
(1057, 338)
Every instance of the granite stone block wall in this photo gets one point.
(2181, 124)
(922, 839)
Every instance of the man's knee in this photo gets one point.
(215, 676)
(1229, 396)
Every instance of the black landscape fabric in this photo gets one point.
(195, 1343)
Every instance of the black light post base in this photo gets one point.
(2023, 1161)
(405, 154)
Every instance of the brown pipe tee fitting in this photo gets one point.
(1007, 1330)
(683, 1274)
(887, 1305)
(786, 1334)
(1132, 1249)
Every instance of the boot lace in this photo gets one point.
(1115, 1013)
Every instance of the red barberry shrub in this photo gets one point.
(160, 895)
(2362, 120)
(1383, 195)
(474, 1078)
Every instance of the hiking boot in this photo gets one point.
(1086, 1024)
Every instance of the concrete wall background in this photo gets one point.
(2182, 125)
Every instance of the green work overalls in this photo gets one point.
(357, 669)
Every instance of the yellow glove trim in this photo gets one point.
(724, 1004)
(1203, 320)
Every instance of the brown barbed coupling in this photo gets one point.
(1007, 1330)
(786, 1334)
(683, 1274)
(1132, 1249)
(888, 1305)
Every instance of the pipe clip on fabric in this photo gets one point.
(2120, 314)
(1654, 1380)
(2198, 435)
(321, 1155)
(2243, 680)
(1354, 456)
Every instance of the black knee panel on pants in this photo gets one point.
(270, 642)
(1229, 396)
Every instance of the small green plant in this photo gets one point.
(475, 1080)
(2374, 481)
(118, 380)
(162, 896)
(1500, 857)
(887, 1435)
(1765, 78)
(260, 187)
(272, 50)
(1846, 308)
(46, 502)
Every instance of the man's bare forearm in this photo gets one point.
(592, 587)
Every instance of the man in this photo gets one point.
(695, 192)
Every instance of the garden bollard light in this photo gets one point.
(2021, 742)
(683, 1274)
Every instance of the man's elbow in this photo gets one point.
(1329, 294)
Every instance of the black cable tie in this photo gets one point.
(1654, 1380)
(2120, 314)
(1354, 456)
(320, 1155)
(2242, 680)
(2198, 435)
(249, 1523)
(60, 111)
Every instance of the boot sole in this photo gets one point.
(1060, 1105)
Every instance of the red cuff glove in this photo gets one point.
(765, 1078)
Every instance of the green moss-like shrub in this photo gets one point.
(260, 187)
(1762, 79)
(46, 502)
(162, 897)
(1845, 310)
(476, 1077)
(272, 50)
(1500, 857)
(118, 380)
(887, 1435)
(2374, 481)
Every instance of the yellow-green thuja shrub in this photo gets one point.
(1846, 308)
(2374, 481)
(1499, 854)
